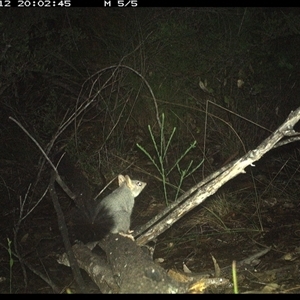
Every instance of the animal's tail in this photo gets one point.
(84, 229)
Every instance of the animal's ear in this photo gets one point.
(121, 179)
(129, 182)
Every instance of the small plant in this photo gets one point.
(161, 162)
(11, 262)
(234, 278)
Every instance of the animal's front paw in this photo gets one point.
(128, 235)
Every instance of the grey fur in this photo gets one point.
(119, 204)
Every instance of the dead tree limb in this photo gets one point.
(127, 268)
(211, 184)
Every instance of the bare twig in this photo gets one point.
(65, 236)
(60, 216)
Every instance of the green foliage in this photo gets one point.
(234, 278)
(161, 160)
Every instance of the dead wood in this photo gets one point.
(127, 269)
(210, 185)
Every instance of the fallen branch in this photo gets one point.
(127, 268)
(197, 194)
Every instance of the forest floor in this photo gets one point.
(249, 214)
